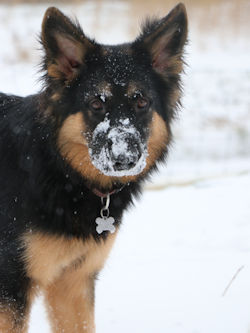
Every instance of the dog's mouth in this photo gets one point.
(118, 151)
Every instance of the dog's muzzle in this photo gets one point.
(124, 150)
(118, 151)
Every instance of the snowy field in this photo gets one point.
(189, 272)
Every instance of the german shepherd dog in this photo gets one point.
(74, 156)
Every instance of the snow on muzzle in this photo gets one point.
(118, 150)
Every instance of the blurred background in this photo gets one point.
(205, 222)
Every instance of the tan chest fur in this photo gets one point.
(47, 257)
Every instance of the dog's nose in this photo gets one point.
(124, 148)
(125, 161)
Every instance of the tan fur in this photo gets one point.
(73, 147)
(105, 88)
(70, 302)
(65, 269)
(132, 88)
(7, 323)
(47, 113)
(175, 65)
(10, 322)
(158, 140)
(175, 97)
(56, 97)
(47, 257)
(54, 72)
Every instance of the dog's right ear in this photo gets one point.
(65, 46)
(165, 39)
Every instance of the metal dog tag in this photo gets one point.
(105, 222)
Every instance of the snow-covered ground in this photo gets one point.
(194, 220)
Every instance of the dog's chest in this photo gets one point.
(47, 256)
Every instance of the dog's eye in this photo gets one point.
(142, 104)
(96, 105)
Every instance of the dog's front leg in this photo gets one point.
(70, 303)
(12, 321)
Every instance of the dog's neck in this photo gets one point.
(105, 194)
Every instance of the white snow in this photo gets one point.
(180, 247)
(125, 121)
(104, 94)
(117, 135)
(102, 127)
(174, 257)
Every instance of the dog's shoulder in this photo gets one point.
(7, 102)
(15, 108)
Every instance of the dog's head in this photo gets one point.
(114, 104)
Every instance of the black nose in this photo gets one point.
(125, 161)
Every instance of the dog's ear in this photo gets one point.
(65, 45)
(165, 39)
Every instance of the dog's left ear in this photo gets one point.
(165, 40)
(65, 45)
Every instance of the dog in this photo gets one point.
(74, 156)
